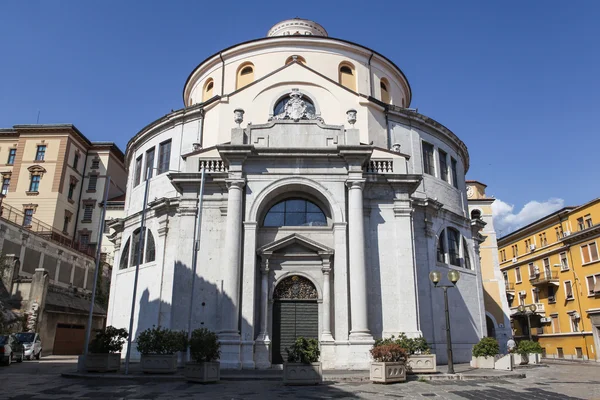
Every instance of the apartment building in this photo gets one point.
(553, 264)
(55, 175)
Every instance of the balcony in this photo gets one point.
(544, 279)
(509, 286)
(540, 309)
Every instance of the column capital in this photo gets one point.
(235, 183)
(356, 183)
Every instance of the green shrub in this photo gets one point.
(388, 352)
(304, 351)
(161, 341)
(487, 347)
(109, 340)
(204, 346)
(528, 346)
(411, 346)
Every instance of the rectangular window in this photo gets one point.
(87, 212)
(28, 217)
(568, 290)
(454, 172)
(164, 157)
(561, 353)
(72, 186)
(574, 324)
(535, 295)
(138, 171)
(428, 163)
(148, 171)
(521, 299)
(502, 255)
(543, 240)
(66, 225)
(588, 221)
(92, 183)
(75, 161)
(5, 185)
(41, 153)
(564, 263)
(515, 250)
(443, 165)
(12, 153)
(580, 224)
(593, 284)
(95, 164)
(106, 228)
(578, 352)
(518, 274)
(559, 233)
(547, 270)
(532, 271)
(84, 241)
(555, 324)
(589, 252)
(34, 185)
(551, 294)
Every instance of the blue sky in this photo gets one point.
(517, 81)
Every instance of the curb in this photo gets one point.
(463, 377)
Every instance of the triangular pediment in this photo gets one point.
(295, 244)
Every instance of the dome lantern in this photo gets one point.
(297, 27)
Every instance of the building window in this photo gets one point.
(560, 352)
(138, 171)
(12, 153)
(66, 224)
(95, 164)
(92, 183)
(346, 76)
(502, 253)
(75, 161)
(453, 249)
(587, 219)
(385, 92)
(529, 246)
(547, 270)
(476, 214)
(543, 240)
(88, 211)
(164, 157)
(593, 284)
(443, 165)
(207, 91)
(106, 227)
(295, 212)
(149, 170)
(124, 263)
(72, 187)
(34, 185)
(589, 252)
(454, 172)
(555, 324)
(245, 75)
(41, 153)
(466, 256)
(428, 163)
(533, 271)
(441, 248)
(522, 298)
(568, 290)
(518, 274)
(150, 249)
(559, 233)
(27, 216)
(515, 250)
(580, 224)
(535, 295)
(551, 294)
(564, 262)
(5, 185)
(299, 59)
(280, 110)
(84, 241)
(574, 323)
(578, 352)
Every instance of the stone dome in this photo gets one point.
(297, 26)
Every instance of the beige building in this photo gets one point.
(55, 175)
(497, 312)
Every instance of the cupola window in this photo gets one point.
(207, 93)
(245, 75)
(385, 93)
(347, 76)
(295, 212)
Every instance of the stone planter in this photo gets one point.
(159, 363)
(421, 364)
(103, 362)
(388, 372)
(483, 362)
(203, 372)
(302, 374)
(531, 358)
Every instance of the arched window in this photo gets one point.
(295, 212)
(245, 75)
(207, 92)
(282, 111)
(476, 214)
(466, 256)
(125, 256)
(150, 248)
(453, 246)
(346, 76)
(441, 248)
(385, 91)
(299, 59)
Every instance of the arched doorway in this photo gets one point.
(295, 314)
(491, 328)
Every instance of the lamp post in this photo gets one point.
(453, 276)
(527, 310)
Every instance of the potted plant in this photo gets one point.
(485, 353)
(420, 360)
(528, 352)
(104, 353)
(158, 347)
(303, 366)
(205, 351)
(389, 361)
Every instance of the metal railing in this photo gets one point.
(545, 278)
(42, 229)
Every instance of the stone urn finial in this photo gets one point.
(351, 114)
(238, 116)
(396, 147)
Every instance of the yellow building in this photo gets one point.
(497, 314)
(553, 263)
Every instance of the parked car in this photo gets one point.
(32, 343)
(11, 349)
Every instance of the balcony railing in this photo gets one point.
(379, 167)
(213, 165)
(44, 230)
(545, 278)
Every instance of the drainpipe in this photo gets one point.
(370, 76)
(79, 200)
(576, 280)
(222, 74)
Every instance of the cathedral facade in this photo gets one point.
(298, 194)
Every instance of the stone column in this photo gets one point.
(358, 271)
(263, 341)
(250, 295)
(326, 331)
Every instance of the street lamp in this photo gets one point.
(453, 276)
(524, 309)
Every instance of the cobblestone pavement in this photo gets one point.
(42, 380)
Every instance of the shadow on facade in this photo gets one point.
(374, 278)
